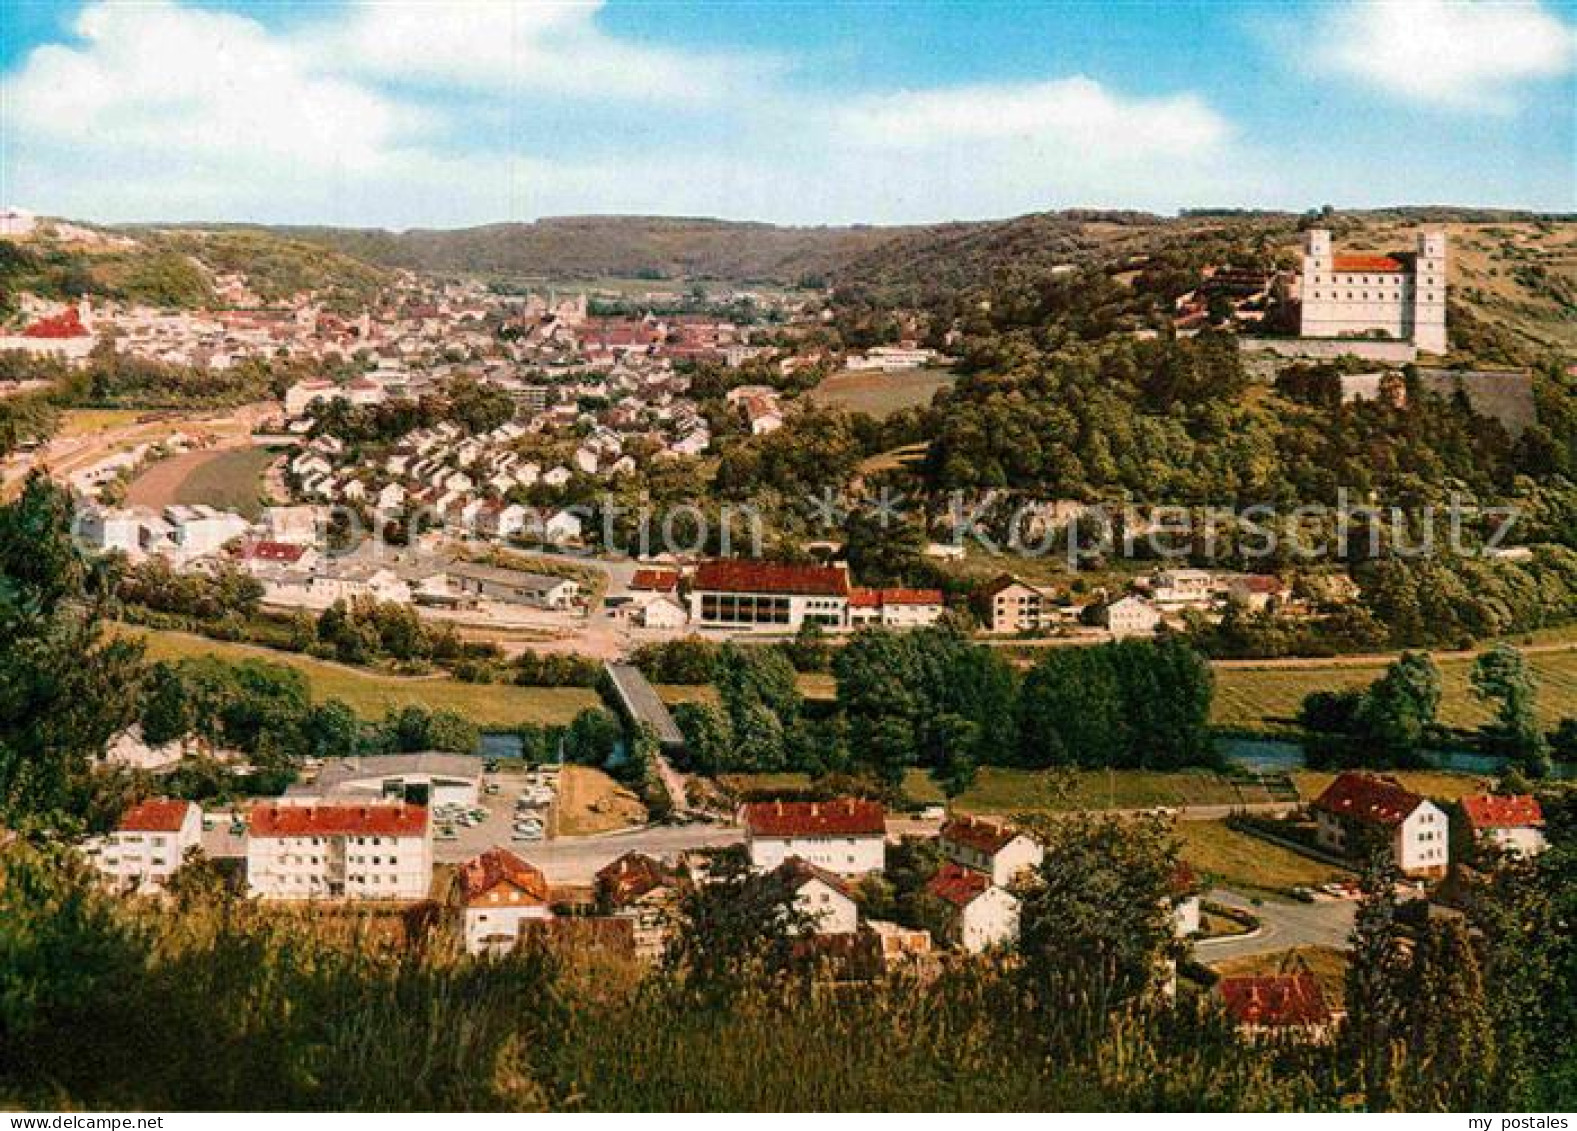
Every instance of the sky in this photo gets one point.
(450, 113)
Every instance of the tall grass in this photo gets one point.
(227, 1005)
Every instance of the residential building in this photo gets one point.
(739, 594)
(981, 915)
(1010, 605)
(998, 851)
(846, 836)
(1513, 823)
(895, 608)
(643, 890)
(1130, 616)
(200, 530)
(1183, 588)
(497, 892)
(1276, 1005)
(336, 851)
(1357, 806)
(821, 896)
(1401, 296)
(149, 843)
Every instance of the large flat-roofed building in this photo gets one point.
(1401, 296)
(768, 595)
(430, 778)
(339, 852)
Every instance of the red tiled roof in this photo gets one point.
(661, 580)
(632, 876)
(956, 885)
(66, 324)
(273, 552)
(482, 874)
(1259, 583)
(846, 816)
(731, 575)
(1517, 811)
(337, 820)
(1368, 797)
(797, 873)
(156, 815)
(876, 598)
(1371, 263)
(1183, 881)
(1274, 999)
(983, 836)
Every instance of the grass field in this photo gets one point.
(1267, 698)
(1247, 863)
(881, 394)
(84, 421)
(1003, 790)
(371, 695)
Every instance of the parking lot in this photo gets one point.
(499, 818)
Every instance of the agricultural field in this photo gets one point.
(1247, 863)
(1003, 791)
(882, 394)
(1262, 698)
(371, 695)
(230, 480)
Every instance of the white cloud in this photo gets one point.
(1073, 112)
(438, 114)
(514, 45)
(1446, 53)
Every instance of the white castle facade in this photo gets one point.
(1403, 296)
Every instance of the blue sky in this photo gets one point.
(473, 111)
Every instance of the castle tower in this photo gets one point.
(1429, 293)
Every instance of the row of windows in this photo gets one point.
(1364, 296)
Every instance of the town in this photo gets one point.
(770, 558)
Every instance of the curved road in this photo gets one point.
(1282, 926)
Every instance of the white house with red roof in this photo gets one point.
(1358, 803)
(1512, 823)
(846, 836)
(981, 915)
(1401, 296)
(1280, 1005)
(497, 891)
(149, 842)
(998, 851)
(317, 851)
(895, 608)
(821, 896)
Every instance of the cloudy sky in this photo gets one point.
(455, 112)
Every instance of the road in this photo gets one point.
(1282, 926)
(576, 860)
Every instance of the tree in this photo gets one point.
(1096, 929)
(1399, 708)
(64, 689)
(1375, 975)
(736, 927)
(1502, 676)
(1451, 1053)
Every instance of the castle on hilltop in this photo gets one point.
(1402, 295)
